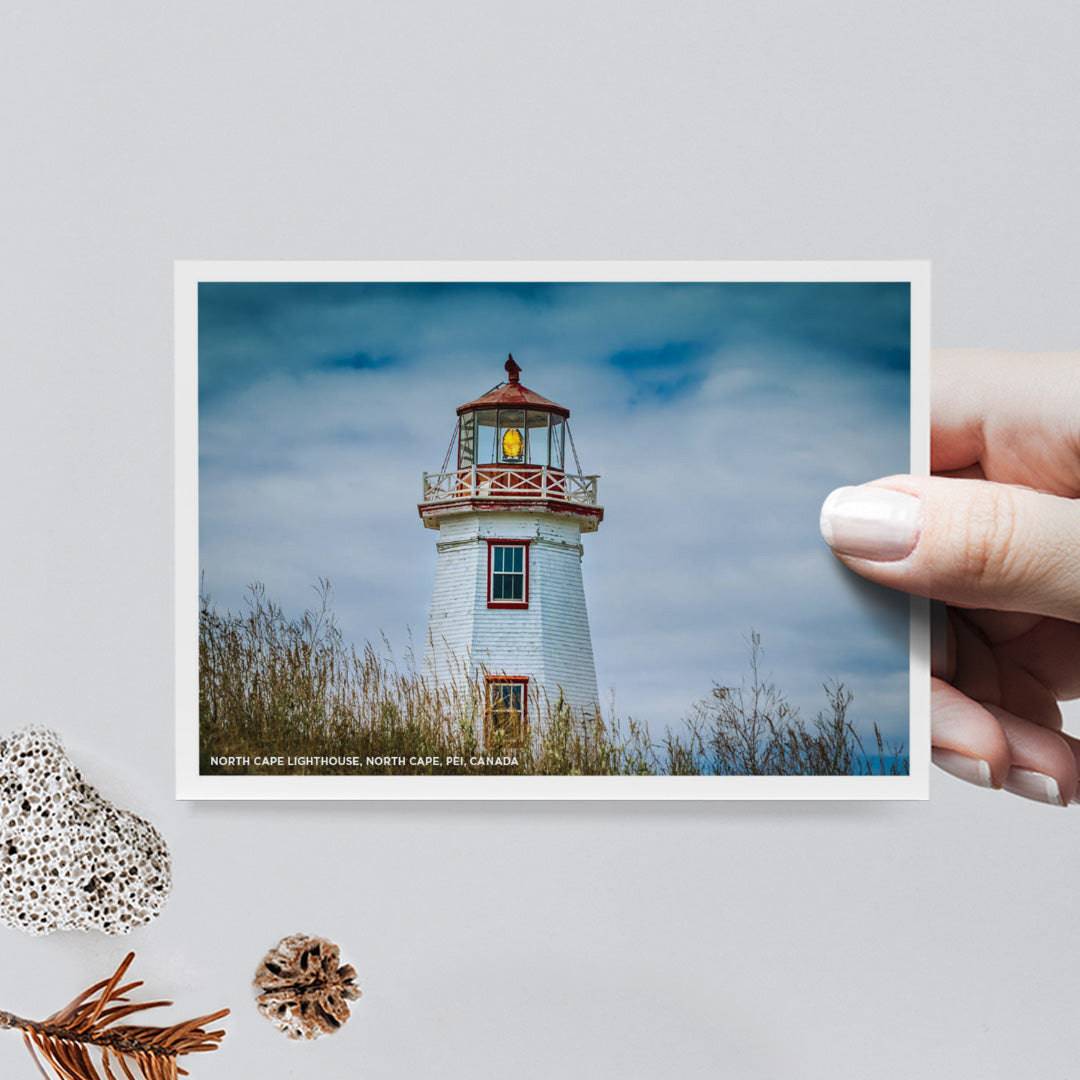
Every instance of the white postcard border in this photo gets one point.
(191, 785)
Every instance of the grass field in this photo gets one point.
(286, 688)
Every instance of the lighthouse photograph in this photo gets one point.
(522, 529)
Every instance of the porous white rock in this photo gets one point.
(69, 859)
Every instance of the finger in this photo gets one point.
(986, 403)
(991, 679)
(1023, 695)
(942, 642)
(971, 472)
(956, 410)
(988, 746)
(968, 741)
(1044, 767)
(1074, 746)
(969, 542)
(999, 627)
(975, 672)
(1050, 651)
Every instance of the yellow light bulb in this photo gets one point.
(512, 444)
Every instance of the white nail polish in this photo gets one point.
(871, 522)
(971, 769)
(1034, 785)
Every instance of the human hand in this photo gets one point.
(995, 533)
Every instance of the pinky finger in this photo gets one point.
(1044, 766)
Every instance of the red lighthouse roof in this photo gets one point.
(512, 394)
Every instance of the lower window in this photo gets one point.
(506, 714)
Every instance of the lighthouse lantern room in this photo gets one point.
(509, 603)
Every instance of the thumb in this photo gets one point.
(968, 542)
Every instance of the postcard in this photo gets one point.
(520, 530)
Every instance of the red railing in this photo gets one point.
(509, 482)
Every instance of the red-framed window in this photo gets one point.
(506, 712)
(508, 574)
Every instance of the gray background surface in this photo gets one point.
(537, 940)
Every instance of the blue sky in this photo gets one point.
(717, 415)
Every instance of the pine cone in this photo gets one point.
(303, 987)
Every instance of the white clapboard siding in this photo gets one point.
(549, 641)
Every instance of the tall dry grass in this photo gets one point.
(274, 686)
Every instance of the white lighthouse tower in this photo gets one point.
(509, 603)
